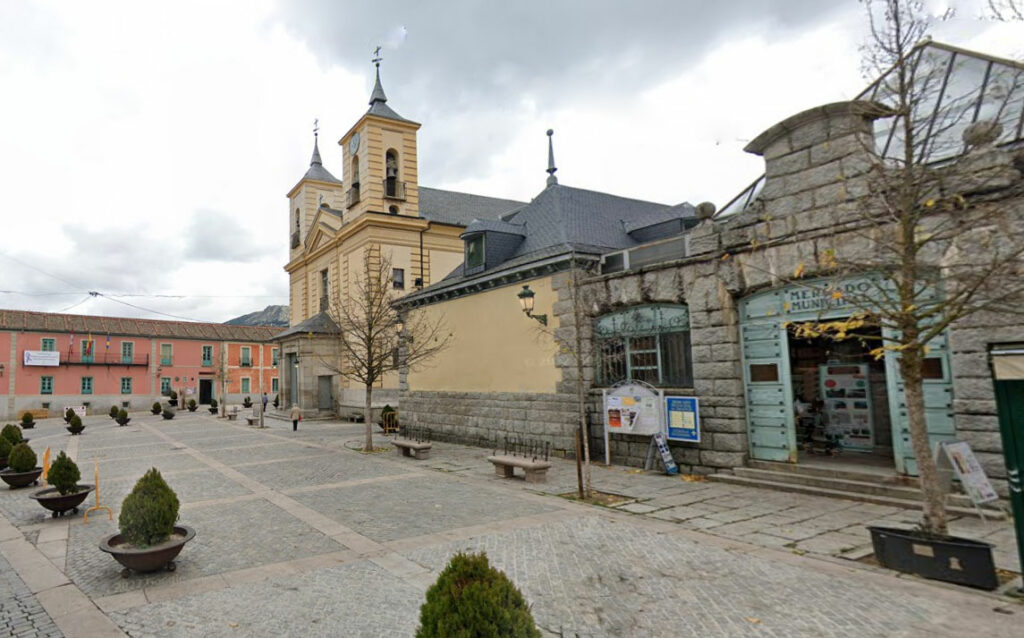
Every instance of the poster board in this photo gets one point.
(682, 419)
(957, 456)
(79, 410)
(846, 392)
(631, 407)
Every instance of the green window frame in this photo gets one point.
(207, 355)
(127, 351)
(246, 385)
(166, 354)
(274, 386)
(165, 386)
(45, 385)
(645, 343)
(273, 357)
(475, 252)
(88, 350)
(48, 345)
(245, 358)
(86, 385)
(126, 385)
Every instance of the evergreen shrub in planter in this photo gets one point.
(5, 450)
(247, 402)
(277, 400)
(65, 493)
(12, 433)
(114, 411)
(192, 405)
(168, 414)
(68, 414)
(172, 399)
(27, 421)
(213, 406)
(122, 417)
(76, 427)
(471, 598)
(21, 467)
(148, 539)
(157, 408)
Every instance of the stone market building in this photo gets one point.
(700, 305)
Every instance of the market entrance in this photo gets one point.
(840, 400)
(778, 368)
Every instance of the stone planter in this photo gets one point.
(951, 559)
(149, 559)
(59, 503)
(74, 430)
(3, 462)
(123, 422)
(21, 479)
(213, 410)
(27, 426)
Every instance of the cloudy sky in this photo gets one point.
(146, 149)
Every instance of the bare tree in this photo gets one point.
(930, 235)
(372, 340)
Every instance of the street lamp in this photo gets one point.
(526, 301)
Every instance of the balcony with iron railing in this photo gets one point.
(394, 189)
(105, 359)
(353, 196)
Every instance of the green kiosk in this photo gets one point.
(1008, 373)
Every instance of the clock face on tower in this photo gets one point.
(353, 144)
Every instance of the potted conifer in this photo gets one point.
(66, 494)
(13, 434)
(27, 421)
(471, 598)
(114, 411)
(68, 414)
(168, 414)
(148, 539)
(21, 467)
(172, 399)
(157, 408)
(247, 402)
(122, 417)
(213, 406)
(5, 449)
(192, 405)
(75, 426)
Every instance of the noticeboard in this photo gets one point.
(631, 407)
(682, 416)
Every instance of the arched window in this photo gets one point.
(355, 170)
(646, 343)
(393, 210)
(296, 220)
(391, 173)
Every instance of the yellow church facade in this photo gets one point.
(379, 209)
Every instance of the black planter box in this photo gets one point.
(955, 560)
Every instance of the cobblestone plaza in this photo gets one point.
(300, 535)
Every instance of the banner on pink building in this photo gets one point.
(42, 358)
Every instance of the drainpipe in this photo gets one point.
(423, 275)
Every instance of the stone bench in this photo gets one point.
(536, 471)
(252, 420)
(232, 415)
(416, 449)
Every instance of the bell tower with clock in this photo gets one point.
(380, 174)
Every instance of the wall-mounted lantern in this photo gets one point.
(526, 301)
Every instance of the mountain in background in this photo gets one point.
(269, 316)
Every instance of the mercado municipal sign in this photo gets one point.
(815, 298)
(643, 320)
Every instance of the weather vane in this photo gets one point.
(316, 127)
(376, 56)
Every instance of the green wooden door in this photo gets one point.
(769, 394)
(938, 402)
(1010, 404)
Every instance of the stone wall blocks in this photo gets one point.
(976, 423)
(809, 134)
(702, 354)
(790, 163)
(729, 426)
(725, 352)
(975, 389)
(725, 387)
(729, 442)
(715, 458)
(982, 441)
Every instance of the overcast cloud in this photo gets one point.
(146, 149)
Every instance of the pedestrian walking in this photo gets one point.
(264, 402)
(296, 416)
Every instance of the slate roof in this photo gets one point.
(679, 211)
(378, 104)
(451, 207)
(28, 321)
(319, 323)
(316, 168)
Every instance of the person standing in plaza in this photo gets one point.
(296, 416)
(264, 402)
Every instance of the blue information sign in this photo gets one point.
(683, 419)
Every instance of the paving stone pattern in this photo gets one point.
(358, 600)
(318, 470)
(228, 537)
(424, 507)
(21, 615)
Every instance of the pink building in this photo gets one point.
(58, 360)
